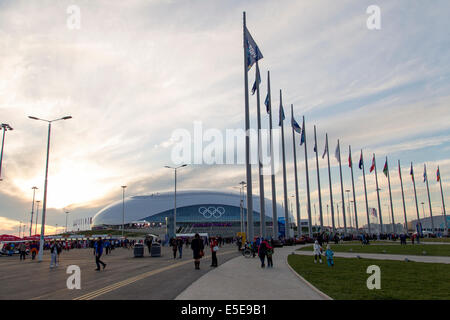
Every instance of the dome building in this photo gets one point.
(215, 213)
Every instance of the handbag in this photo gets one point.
(216, 248)
(202, 253)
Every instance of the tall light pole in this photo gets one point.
(242, 196)
(123, 208)
(348, 201)
(37, 215)
(423, 209)
(44, 206)
(175, 198)
(5, 128)
(67, 213)
(32, 209)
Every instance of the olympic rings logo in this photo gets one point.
(209, 212)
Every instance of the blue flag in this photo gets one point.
(361, 162)
(302, 139)
(296, 126)
(253, 54)
(257, 81)
(267, 103)
(282, 117)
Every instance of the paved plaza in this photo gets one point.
(124, 277)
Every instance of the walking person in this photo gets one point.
(180, 248)
(214, 248)
(53, 254)
(197, 247)
(98, 253)
(317, 252)
(22, 250)
(269, 256)
(173, 244)
(329, 254)
(262, 251)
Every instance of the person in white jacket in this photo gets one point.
(317, 252)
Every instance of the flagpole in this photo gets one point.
(297, 201)
(250, 231)
(307, 180)
(331, 187)
(262, 211)
(403, 195)
(286, 209)
(443, 204)
(415, 195)
(390, 196)
(353, 187)
(365, 191)
(342, 190)
(318, 180)
(429, 199)
(378, 194)
(274, 195)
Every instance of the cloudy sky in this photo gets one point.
(136, 71)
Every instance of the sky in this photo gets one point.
(136, 71)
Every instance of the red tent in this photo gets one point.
(7, 237)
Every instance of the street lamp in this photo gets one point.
(67, 213)
(5, 128)
(32, 209)
(348, 200)
(242, 195)
(123, 208)
(44, 206)
(37, 216)
(175, 198)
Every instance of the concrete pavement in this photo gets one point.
(243, 279)
(379, 256)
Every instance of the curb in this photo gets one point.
(326, 297)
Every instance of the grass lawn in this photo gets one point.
(417, 249)
(399, 280)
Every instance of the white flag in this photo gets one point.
(337, 154)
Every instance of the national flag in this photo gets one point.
(325, 150)
(373, 212)
(267, 103)
(295, 126)
(424, 172)
(257, 80)
(385, 169)
(302, 138)
(372, 167)
(337, 153)
(253, 54)
(361, 163)
(411, 172)
(438, 174)
(350, 160)
(282, 117)
(315, 147)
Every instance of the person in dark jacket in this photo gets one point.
(98, 253)
(197, 247)
(174, 245)
(262, 251)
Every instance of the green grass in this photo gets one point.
(417, 250)
(399, 280)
